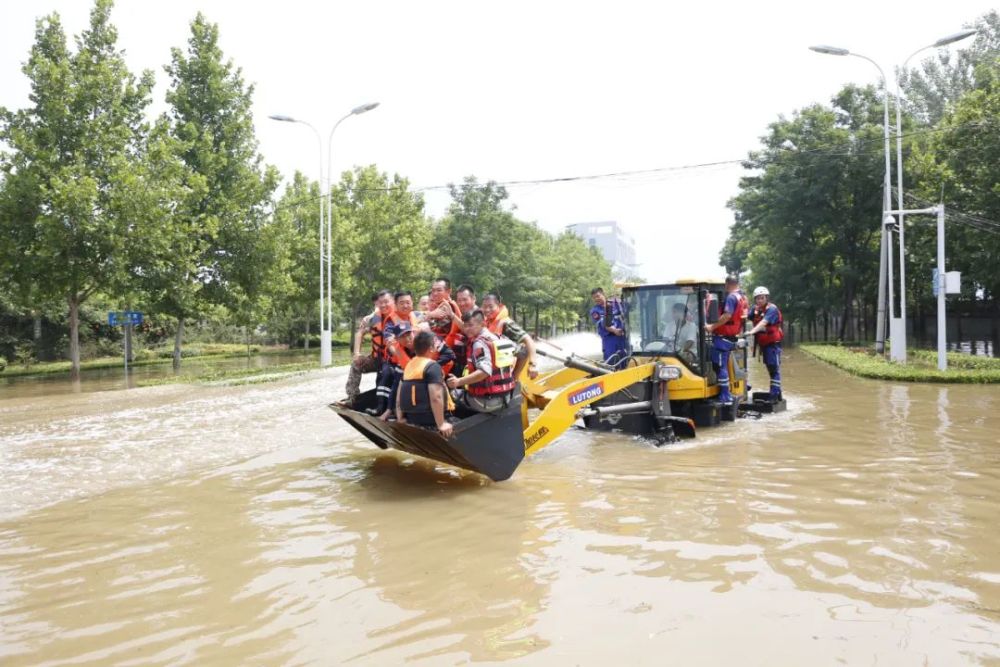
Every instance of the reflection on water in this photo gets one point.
(858, 527)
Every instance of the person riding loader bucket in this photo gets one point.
(666, 389)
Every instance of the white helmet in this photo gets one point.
(759, 291)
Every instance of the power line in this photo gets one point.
(956, 215)
(826, 151)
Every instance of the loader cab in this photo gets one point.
(669, 321)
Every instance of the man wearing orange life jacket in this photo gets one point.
(372, 363)
(500, 324)
(403, 353)
(465, 299)
(724, 335)
(403, 313)
(489, 382)
(443, 310)
(767, 321)
(395, 356)
(423, 399)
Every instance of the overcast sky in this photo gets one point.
(531, 90)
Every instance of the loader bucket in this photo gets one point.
(492, 445)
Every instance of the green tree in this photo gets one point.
(960, 165)
(808, 214)
(381, 238)
(572, 269)
(296, 218)
(474, 242)
(481, 242)
(72, 154)
(232, 259)
(943, 78)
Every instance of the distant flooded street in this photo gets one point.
(105, 379)
(250, 525)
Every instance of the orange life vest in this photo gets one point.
(381, 349)
(735, 323)
(378, 337)
(772, 333)
(501, 380)
(448, 330)
(496, 325)
(414, 393)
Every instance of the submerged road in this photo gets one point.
(248, 524)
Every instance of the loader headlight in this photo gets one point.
(664, 373)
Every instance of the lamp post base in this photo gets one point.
(897, 340)
(325, 353)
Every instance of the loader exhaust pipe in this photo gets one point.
(579, 364)
(619, 409)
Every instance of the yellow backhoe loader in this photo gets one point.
(667, 389)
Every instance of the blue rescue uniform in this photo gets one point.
(614, 347)
(724, 341)
(769, 341)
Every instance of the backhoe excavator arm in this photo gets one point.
(561, 411)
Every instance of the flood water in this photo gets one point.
(249, 525)
(106, 379)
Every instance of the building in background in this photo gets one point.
(610, 238)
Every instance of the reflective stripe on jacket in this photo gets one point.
(502, 359)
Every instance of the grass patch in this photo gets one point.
(162, 355)
(236, 376)
(922, 366)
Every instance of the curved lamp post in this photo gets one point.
(325, 231)
(898, 337)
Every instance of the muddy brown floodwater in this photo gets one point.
(249, 525)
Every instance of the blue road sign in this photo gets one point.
(123, 317)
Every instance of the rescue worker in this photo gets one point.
(371, 363)
(422, 398)
(423, 306)
(364, 327)
(465, 298)
(767, 321)
(442, 312)
(679, 333)
(500, 324)
(489, 382)
(724, 335)
(404, 307)
(395, 356)
(609, 316)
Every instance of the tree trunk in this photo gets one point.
(995, 326)
(537, 310)
(845, 318)
(128, 343)
(74, 336)
(305, 343)
(177, 343)
(862, 320)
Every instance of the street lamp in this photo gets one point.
(356, 111)
(885, 256)
(944, 41)
(325, 235)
